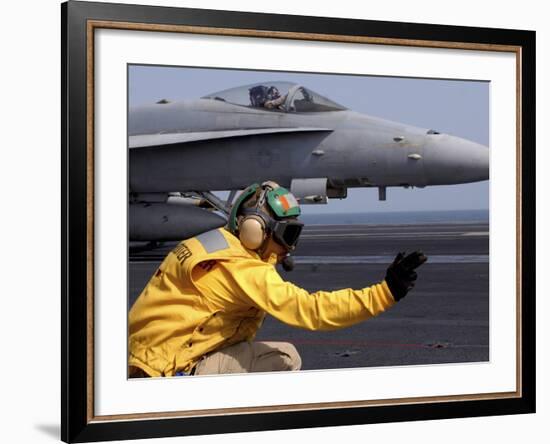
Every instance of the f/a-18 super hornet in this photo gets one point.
(180, 152)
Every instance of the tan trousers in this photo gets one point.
(245, 357)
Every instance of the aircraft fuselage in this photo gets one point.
(347, 148)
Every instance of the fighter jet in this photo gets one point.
(180, 152)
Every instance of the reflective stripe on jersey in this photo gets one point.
(212, 241)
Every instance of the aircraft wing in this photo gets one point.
(147, 140)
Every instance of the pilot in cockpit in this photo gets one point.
(274, 98)
(266, 97)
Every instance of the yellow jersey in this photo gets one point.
(211, 292)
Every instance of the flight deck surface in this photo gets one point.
(444, 319)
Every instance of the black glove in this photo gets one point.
(400, 275)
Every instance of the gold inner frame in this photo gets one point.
(96, 24)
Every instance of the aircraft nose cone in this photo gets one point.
(451, 159)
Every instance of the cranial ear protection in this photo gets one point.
(252, 232)
(253, 225)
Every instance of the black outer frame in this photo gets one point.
(74, 423)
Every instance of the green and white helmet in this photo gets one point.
(283, 207)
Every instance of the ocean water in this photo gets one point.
(398, 217)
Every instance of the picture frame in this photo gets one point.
(80, 23)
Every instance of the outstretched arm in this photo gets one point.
(321, 310)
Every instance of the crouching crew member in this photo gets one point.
(201, 310)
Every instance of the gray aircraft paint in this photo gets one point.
(356, 149)
(209, 144)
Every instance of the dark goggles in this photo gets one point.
(286, 232)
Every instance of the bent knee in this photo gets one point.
(291, 358)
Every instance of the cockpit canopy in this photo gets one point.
(277, 96)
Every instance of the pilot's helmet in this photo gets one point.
(273, 93)
(258, 95)
(266, 210)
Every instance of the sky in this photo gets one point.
(456, 107)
